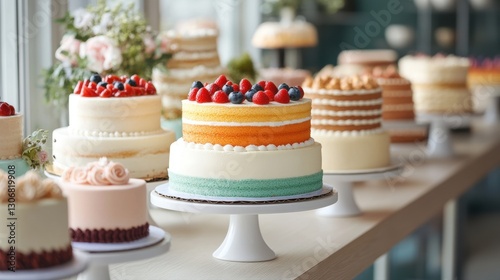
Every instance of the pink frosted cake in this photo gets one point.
(105, 206)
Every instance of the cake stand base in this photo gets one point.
(492, 115)
(100, 261)
(346, 205)
(244, 241)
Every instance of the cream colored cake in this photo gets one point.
(11, 143)
(195, 58)
(105, 206)
(368, 58)
(125, 130)
(346, 120)
(438, 83)
(35, 231)
(483, 79)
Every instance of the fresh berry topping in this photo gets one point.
(262, 84)
(142, 82)
(96, 78)
(88, 92)
(271, 86)
(269, 94)
(283, 85)
(106, 93)
(138, 91)
(197, 84)
(229, 83)
(150, 88)
(236, 97)
(135, 78)
(220, 97)
(12, 110)
(119, 85)
(192, 94)
(236, 87)
(294, 93)
(203, 96)
(121, 93)
(260, 98)
(227, 89)
(102, 84)
(99, 90)
(131, 82)
(111, 88)
(5, 109)
(92, 85)
(212, 88)
(245, 85)
(301, 91)
(129, 88)
(220, 81)
(112, 78)
(249, 95)
(257, 87)
(86, 82)
(78, 87)
(282, 96)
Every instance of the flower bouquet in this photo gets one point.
(102, 39)
(33, 149)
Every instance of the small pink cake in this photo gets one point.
(105, 206)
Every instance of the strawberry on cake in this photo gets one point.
(11, 140)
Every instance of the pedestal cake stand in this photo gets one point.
(439, 144)
(343, 182)
(102, 255)
(243, 242)
(79, 263)
(492, 114)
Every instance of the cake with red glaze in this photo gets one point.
(245, 141)
(117, 118)
(105, 205)
(35, 213)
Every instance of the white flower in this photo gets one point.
(83, 19)
(150, 44)
(69, 49)
(102, 53)
(102, 27)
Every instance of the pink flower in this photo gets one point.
(102, 53)
(43, 157)
(116, 173)
(69, 49)
(150, 45)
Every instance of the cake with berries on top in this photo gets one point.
(347, 121)
(11, 140)
(117, 118)
(483, 79)
(244, 141)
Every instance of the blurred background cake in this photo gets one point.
(483, 80)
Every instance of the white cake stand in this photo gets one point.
(439, 144)
(243, 242)
(343, 182)
(78, 264)
(492, 114)
(100, 259)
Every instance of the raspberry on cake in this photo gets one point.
(346, 120)
(41, 225)
(259, 147)
(119, 211)
(124, 127)
(11, 140)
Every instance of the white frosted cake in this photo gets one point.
(123, 129)
(35, 231)
(346, 120)
(11, 140)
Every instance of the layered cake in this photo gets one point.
(105, 205)
(35, 213)
(346, 120)
(117, 118)
(367, 58)
(245, 141)
(439, 83)
(11, 140)
(483, 80)
(195, 57)
(397, 106)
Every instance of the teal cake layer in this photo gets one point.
(246, 188)
(19, 166)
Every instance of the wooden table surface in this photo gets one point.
(313, 247)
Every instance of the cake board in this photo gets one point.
(343, 182)
(243, 241)
(102, 258)
(79, 263)
(439, 143)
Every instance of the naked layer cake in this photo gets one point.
(11, 140)
(483, 80)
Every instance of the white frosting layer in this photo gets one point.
(195, 55)
(249, 148)
(95, 133)
(347, 133)
(346, 122)
(366, 151)
(432, 70)
(443, 100)
(347, 103)
(342, 92)
(193, 33)
(40, 225)
(195, 72)
(11, 137)
(215, 164)
(239, 124)
(359, 113)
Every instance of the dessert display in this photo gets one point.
(245, 141)
(288, 76)
(195, 57)
(38, 236)
(367, 58)
(117, 118)
(11, 140)
(439, 83)
(347, 121)
(483, 80)
(119, 211)
(397, 106)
